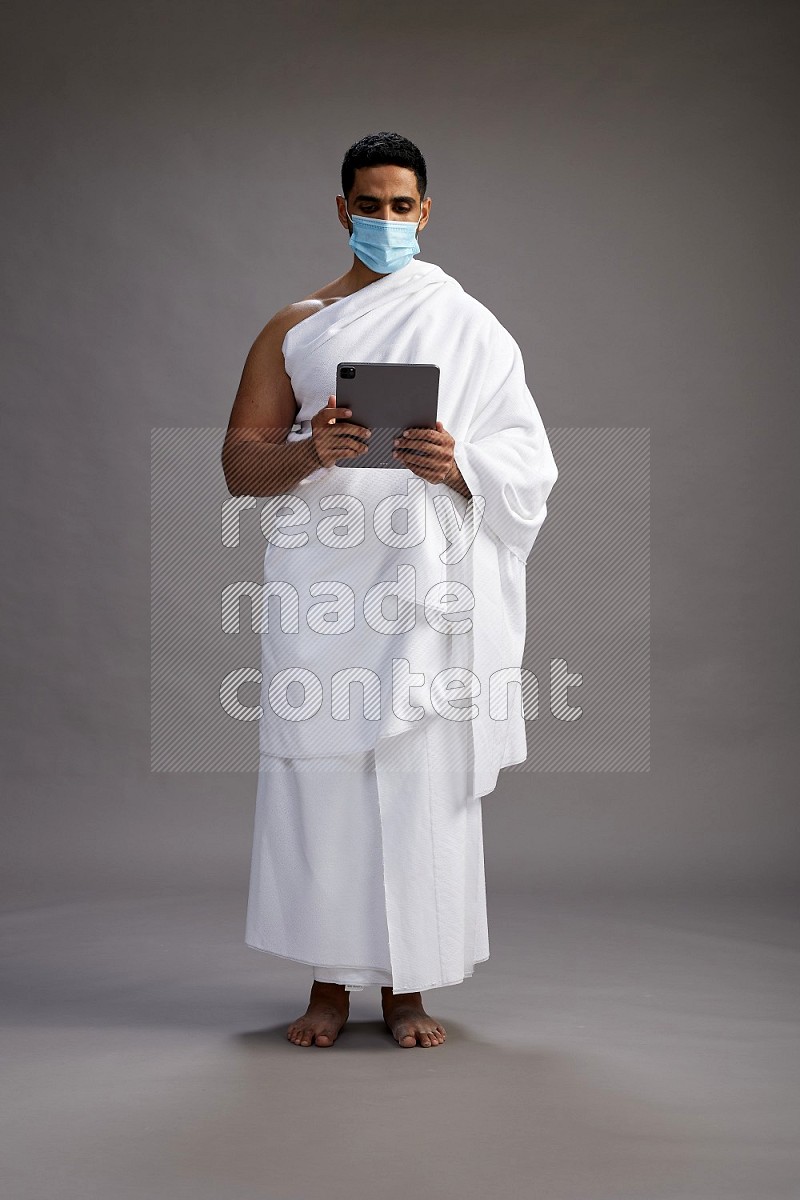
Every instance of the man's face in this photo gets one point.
(387, 192)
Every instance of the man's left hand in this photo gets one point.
(429, 454)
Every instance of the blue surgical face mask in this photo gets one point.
(384, 246)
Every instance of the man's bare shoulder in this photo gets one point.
(270, 339)
(298, 310)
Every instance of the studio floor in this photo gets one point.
(611, 1048)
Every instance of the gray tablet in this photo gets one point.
(387, 398)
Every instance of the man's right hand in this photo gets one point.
(334, 437)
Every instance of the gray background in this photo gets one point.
(617, 181)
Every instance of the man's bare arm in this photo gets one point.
(256, 459)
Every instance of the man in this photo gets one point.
(367, 851)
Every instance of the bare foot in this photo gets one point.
(408, 1020)
(328, 1009)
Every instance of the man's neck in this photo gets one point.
(359, 276)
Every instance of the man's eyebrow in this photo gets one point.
(377, 199)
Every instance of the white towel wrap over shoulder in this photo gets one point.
(416, 314)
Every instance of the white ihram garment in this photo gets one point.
(324, 845)
(367, 854)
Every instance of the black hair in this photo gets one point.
(383, 149)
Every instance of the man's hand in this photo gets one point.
(429, 454)
(334, 437)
